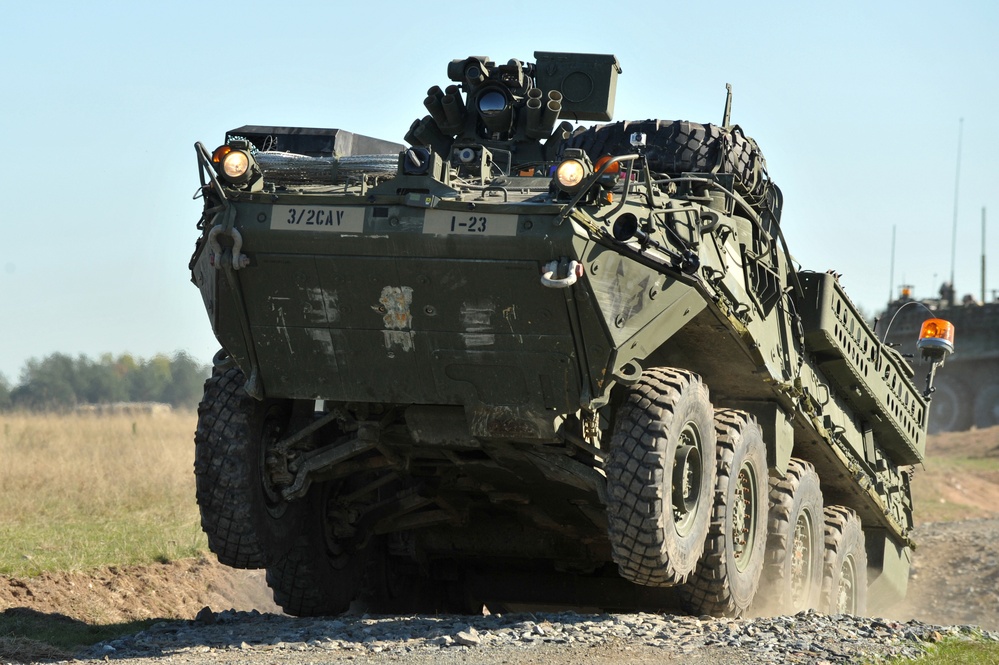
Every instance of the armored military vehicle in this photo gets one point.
(966, 390)
(517, 363)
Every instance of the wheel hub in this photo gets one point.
(801, 560)
(687, 472)
(686, 477)
(847, 602)
(743, 518)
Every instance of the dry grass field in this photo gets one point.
(82, 491)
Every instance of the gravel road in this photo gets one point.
(953, 593)
(563, 639)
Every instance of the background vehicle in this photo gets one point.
(967, 387)
(515, 363)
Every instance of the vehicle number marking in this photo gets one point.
(318, 218)
(447, 222)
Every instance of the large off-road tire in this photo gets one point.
(674, 147)
(844, 578)
(728, 575)
(660, 477)
(305, 583)
(248, 526)
(950, 405)
(792, 574)
(320, 575)
(987, 405)
(401, 585)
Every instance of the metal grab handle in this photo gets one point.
(548, 279)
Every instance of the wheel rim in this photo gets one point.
(687, 471)
(847, 602)
(743, 525)
(338, 526)
(801, 560)
(271, 432)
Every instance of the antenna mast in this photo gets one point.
(891, 276)
(983, 256)
(727, 116)
(957, 181)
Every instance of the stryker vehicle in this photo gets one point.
(966, 391)
(517, 364)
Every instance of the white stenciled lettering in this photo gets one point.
(318, 218)
(440, 222)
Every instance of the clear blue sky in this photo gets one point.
(856, 106)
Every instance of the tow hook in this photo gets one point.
(549, 280)
(238, 260)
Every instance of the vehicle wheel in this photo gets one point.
(792, 574)
(675, 147)
(399, 589)
(247, 524)
(728, 574)
(322, 573)
(987, 406)
(950, 406)
(306, 583)
(844, 581)
(402, 586)
(659, 490)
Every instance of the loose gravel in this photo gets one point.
(251, 637)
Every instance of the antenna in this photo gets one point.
(727, 119)
(957, 181)
(983, 255)
(891, 274)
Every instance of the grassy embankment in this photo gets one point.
(952, 652)
(960, 478)
(78, 492)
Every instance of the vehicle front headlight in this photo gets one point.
(570, 174)
(235, 164)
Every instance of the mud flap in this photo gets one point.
(888, 570)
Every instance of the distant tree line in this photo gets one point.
(60, 382)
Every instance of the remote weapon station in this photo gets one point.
(515, 363)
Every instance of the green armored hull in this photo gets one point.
(520, 363)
